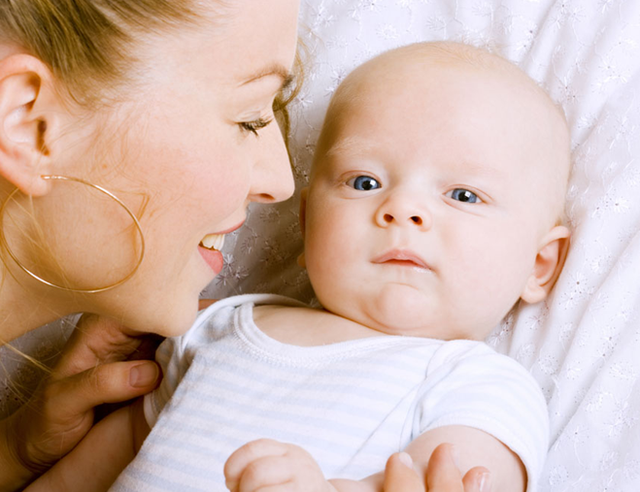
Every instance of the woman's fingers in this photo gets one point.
(443, 474)
(399, 475)
(477, 479)
(61, 413)
(108, 383)
(98, 340)
(92, 371)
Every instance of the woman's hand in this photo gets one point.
(442, 474)
(93, 370)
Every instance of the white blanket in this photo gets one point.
(583, 345)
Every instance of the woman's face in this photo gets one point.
(188, 153)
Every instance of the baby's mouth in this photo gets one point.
(213, 242)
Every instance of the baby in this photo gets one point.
(435, 204)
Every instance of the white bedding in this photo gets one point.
(583, 345)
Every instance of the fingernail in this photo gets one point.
(143, 375)
(406, 459)
(484, 482)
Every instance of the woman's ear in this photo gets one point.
(548, 265)
(302, 217)
(27, 117)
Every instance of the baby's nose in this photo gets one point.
(415, 219)
(404, 210)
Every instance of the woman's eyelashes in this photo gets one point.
(254, 126)
(364, 183)
(464, 196)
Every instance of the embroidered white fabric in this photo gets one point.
(583, 344)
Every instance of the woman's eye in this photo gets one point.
(465, 196)
(364, 183)
(255, 125)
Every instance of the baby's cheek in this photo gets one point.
(488, 279)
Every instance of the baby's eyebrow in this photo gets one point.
(350, 145)
(478, 169)
(358, 146)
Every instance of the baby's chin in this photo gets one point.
(406, 311)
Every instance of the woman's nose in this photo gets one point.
(271, 177)
(403, 211)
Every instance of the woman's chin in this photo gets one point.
(168, 318)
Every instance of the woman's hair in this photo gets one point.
(88, 44)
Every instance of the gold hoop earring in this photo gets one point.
(4, 244)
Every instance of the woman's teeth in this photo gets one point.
(213, 241)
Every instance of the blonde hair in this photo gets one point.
(87, 44)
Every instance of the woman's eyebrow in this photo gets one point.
(276, 70)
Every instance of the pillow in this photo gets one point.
(583, 343)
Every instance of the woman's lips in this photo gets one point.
(402, 257)
(213, 258)
(228, 231)
(210, 247)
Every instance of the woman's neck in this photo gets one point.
(25, 303)
(24, 307)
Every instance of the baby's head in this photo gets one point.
(437, 193)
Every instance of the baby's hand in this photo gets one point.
(274, 465)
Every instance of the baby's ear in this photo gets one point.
(27, 119)
(548, 265)
(302, 218)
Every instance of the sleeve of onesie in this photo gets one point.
(470, 384)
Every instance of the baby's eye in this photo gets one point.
(465, 196)
(254, 126)
(364, 183)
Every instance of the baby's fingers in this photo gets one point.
(265, 473)
(247, 463)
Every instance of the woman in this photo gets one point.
(181, 130)
(133, 136)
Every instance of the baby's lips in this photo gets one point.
(403, 255)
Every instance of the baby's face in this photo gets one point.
(429, 200)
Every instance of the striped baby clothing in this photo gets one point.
(350, 404)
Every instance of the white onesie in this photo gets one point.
(349, 404)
